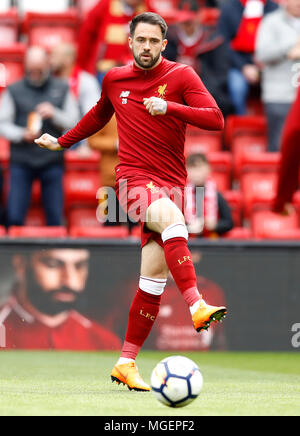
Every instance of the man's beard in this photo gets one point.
(38, 83)
(45, 302)
(146, 65)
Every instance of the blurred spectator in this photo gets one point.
(278, 48)
(204, 49)
(103, 39)
(238, 23)
(34, 105)
(84, 86)
(43, 311)
(216, 218)
(288, 179)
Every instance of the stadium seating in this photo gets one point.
(81, 188)
(75, 161)
(48, 30)
(35, 218)
(270, 225)
(239, 233)
(221, 166)
(235, 202)
(258, 191)
(115, 232)
(4, 152)
(9, 23)
(202, 143)
(82, 217)
(238, 126)
(37, 232)
(249, 162)
(11, 64)
(245, 145)
(43, 6)
(2, 232)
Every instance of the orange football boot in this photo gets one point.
(128, 374)
(205, 314)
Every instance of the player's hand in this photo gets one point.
(156, 106)
(48, 142)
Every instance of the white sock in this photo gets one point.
(195, 306)
(123, 360)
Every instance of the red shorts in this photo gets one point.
(135, 194)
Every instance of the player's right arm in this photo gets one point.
(90, 124)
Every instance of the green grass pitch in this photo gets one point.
(66, 383)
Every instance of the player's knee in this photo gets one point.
(163, 213)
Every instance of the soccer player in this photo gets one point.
(154, 99)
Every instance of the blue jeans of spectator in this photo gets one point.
(21, 179)
(276, 114)
(238, 88)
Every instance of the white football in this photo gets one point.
(176, 381)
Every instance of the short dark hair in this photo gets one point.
(195, 158)
(150, 18)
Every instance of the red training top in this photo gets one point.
(151, 145)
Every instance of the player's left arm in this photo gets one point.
(200, 108)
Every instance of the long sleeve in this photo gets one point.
(290, 158)
(8, 128)
(200, 110)
(92, 122)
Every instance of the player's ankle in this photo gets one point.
(124, 360)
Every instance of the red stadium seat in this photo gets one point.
(9, 23)
(221, 166)
(270, 225)
(36, 193)
(37, 232)
(235, 202)
(80, 188)
(75, 161)
(49, 30)
(4, 152)
(222, 181)
(258, 190)
(43, 6)
(237, 126)
(11, 64)
(2, 232)
(249, 162)
(238, 233)
(35, 218)
(202, 144)
(116, 232)
(83, 217)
